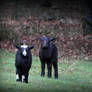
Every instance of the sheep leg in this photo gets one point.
(25, 77)
(55, 70)
(18, 76)
(42, 69)
(49, 67)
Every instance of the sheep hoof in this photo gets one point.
(56, 77)
(25, 81)
(18, 80)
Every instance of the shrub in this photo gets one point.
(9, 34)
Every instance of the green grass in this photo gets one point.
(73, 77)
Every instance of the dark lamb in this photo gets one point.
(23, 62)
(48, 55)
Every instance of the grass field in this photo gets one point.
(73, 77)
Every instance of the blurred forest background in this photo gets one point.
(69, 21)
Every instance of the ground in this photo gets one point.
(74, 76)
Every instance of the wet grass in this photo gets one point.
(73, 77)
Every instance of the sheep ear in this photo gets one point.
(31, 47)
(17, 47)
(52, 39)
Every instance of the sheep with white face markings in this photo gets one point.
(23, 62)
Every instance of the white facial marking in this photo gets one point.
(24, 53)
(24, 46)
(17, 76)
(23, 77)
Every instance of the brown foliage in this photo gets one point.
(69, 38)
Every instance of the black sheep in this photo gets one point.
(48, 55)
(23, 62)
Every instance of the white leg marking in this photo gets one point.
(23, 77)
(17, 76)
